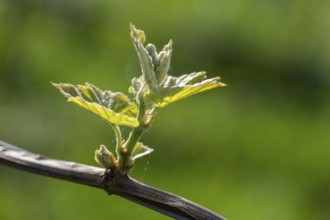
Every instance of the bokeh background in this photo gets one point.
(257, 149)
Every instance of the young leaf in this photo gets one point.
(147, 66)
(114, 107)
(140, 150)
(175, 88)
(154, 65)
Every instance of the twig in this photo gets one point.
(111, 181)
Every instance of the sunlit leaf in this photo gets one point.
(114, 107)
(141, 150)
(175, 88)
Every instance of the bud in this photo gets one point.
(151, 50)
(105, 158)
(164, 62)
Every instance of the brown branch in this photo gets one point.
(111, 181)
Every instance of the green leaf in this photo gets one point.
(147, 66)
(114, 107)
(140, 150)
(175, 88)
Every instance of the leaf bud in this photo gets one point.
(105, 158)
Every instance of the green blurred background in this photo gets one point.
(257, 149)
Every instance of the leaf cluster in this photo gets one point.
(151, 91)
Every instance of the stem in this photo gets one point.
(134, 138)
(59, 169)
(122, 158)
(119, 139)
(114, 183)
(137, 132)
(125, 162)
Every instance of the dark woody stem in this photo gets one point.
(111, 181)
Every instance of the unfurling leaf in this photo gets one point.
(114, 107)
(175, 88)
(154, 65)
(147, 66)
(140, 150)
